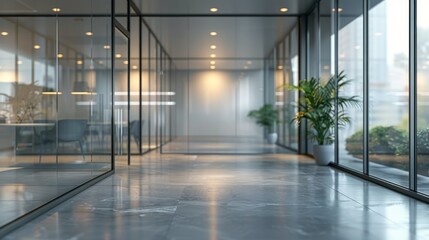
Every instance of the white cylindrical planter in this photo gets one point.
(272, 138)
(324, 154)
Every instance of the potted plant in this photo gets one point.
(317, 106)
(266, 116)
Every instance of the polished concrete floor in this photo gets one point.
(221, 145)
(277, 196)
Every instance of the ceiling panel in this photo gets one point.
(46, 6)
(237, 37)
(224, 6)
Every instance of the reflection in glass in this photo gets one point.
(422, 96)
(121, 95)
(55, 106)
(388, 90)
(145, 89)
(135, 81)
(279, 91)
(153, 67)
(350, 61)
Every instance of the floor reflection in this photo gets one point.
(272, 196)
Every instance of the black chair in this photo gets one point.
(72, 130)
(69, 131)
(135, 130)
(44, 135)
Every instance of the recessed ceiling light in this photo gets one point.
(125, 62)
(19, 62)
(36, 46)
(213, 33)
(106, 46)
(212, 62)
(213, 47)
(212, 67)
(246, 67)
(280, 67)
(249, 62)
(4, 33)
(283, 9)
(56, 9)
(213, 55)
(134, 67)
(60, 55)
(88, 33)
(79, 62)
(339, 9)
(214, 9)
(100, 62)
(118, 55)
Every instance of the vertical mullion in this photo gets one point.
(365, 86)
(149, 91)
(140, 84)
(128, 87)
(112, 72)
(412, 95)
(161, 107)
(336, 28)
(318, 43)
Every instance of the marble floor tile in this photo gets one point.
(277, 196)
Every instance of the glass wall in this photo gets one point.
(285, 69)
(145, 96)
(151, 97)
(350, 63)
(422, 51)
(135, 84)
(121, 106)
(372, 47)
(279, 90)
(55, 103)
(388, 47)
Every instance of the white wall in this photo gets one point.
(216, 103)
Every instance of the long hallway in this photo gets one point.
(276, 196)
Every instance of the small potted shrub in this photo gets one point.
(266, 116)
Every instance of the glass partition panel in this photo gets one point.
(121, 94)
(279, 91)
(388, 90)
(135, 123)
(313, 59)
(55, 104)
(350, 63)
(423, 96)
(145, 114)
(293, 79)
(152, 86)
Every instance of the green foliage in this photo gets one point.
(423, 141)
(382, 140)
(266, 116)
(317, 106)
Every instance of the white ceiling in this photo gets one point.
(240, 38)
(224, 6)
(45, 6)
(237, 37)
